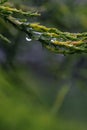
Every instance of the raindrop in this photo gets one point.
(61, 39)
(37, 35)
(29, 29)
(28, 38)
(56, 39)
(53, 39)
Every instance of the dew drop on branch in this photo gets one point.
(36, 35)
(53, 39)
(28, 38)
(56, 39)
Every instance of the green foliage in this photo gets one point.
(20, 107)
(3, 1)
(51, 38)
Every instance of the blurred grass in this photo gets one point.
(22, 110)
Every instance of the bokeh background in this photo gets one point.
(41, 90)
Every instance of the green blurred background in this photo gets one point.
(41, 90)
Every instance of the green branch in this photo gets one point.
(51, 38)
(5, 11)
(4, 38)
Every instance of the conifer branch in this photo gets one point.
(51, 38)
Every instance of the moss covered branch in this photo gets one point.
(51, 38)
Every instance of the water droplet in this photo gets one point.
(36, 35)
(53, 39)
(61, 39)
(29, 29)
(28, 38)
